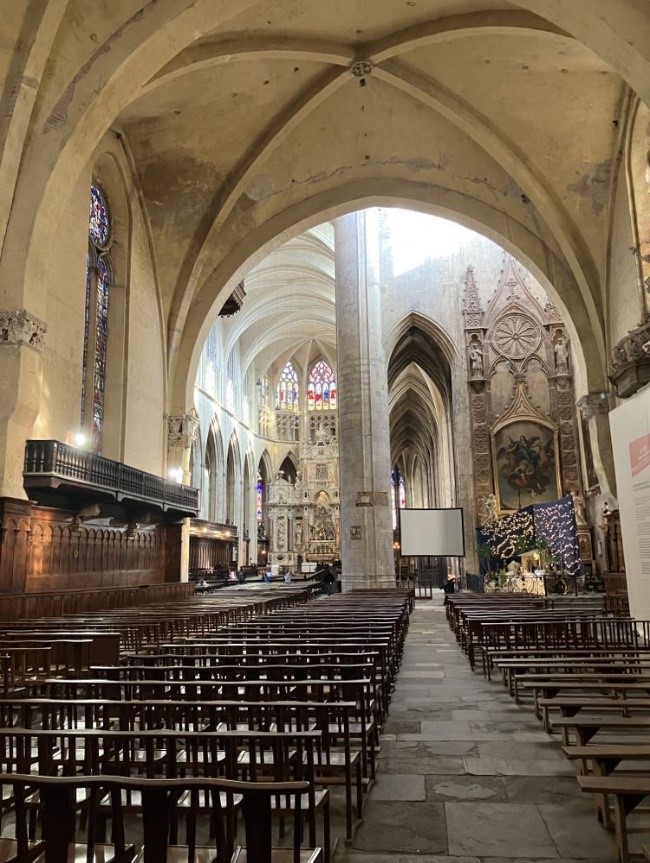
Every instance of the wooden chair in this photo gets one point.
(60, 843)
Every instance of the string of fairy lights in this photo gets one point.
(555, 525)
(552, 525)
(505, 536)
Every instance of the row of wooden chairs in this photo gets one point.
(227, 688)
(74, 811)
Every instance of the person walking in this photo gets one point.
(330, 578)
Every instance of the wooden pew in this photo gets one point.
(626, 792)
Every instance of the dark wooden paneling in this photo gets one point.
(42, 549)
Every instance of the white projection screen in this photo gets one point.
(432, 532)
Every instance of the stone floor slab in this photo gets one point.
(406, 828)
(398, 786)
(572, 828)
(445, 788)
(498, 829)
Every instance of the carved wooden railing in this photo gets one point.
(50, 464)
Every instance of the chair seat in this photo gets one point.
(282, 855)
(279, 802)
(337, 759)
(78, 853)
(178, 854)
(9, 849)
(267, 757)
(184, 800)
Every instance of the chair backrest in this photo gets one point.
(58, 804)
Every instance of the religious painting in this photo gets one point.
(525, 464)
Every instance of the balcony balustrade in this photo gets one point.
(53, 468)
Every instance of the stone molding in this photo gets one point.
(19, 327)
(630, 369)
(593, 404)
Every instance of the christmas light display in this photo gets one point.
(552, 525)
(508, 536)
(555, 524)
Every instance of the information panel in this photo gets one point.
(432, 532)
(630, 426)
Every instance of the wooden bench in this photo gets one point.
(604, 758)
(626, 792)
(586, 727)
(572, 705)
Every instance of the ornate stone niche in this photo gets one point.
(525, 377)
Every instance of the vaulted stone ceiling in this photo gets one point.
(245, 124)
(289, 310)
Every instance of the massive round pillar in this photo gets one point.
(364, 447)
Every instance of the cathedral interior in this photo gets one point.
(274, 273)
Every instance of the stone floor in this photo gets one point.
(467, 776)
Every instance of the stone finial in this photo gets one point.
(593, 404)
(473, 311)
(19, 327)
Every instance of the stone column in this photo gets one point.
(182, 430)
(594, 409)
(364, 446)
(21, 347)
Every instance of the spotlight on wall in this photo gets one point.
(80, 439)
(176, 474)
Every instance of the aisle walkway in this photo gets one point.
(465, 775)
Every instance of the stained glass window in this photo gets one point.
(98, 282)
(286, 392)
(398, 495)
(321, 389)
(259, 499)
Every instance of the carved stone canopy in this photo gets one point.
(19, 327)
(630, 368)
(593, 404)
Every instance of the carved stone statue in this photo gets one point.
(579, 507)
(475, 359)
(490, 508)
(561, 355)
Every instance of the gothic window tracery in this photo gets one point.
(321, 389)
(287, 390)
(98, 282)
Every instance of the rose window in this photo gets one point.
(516, 336)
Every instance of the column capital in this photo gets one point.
(20, 327)
(594, 404)
(182, 428)
(182, 432)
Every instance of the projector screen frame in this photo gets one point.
(433, 509)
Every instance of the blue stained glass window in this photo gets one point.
(99, 221)
(98, 282)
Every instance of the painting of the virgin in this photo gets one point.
(526, 466)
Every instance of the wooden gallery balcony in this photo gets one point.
(56, 474)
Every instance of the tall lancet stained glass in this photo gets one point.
(286, 392)
(321, 389)
(98, 282)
